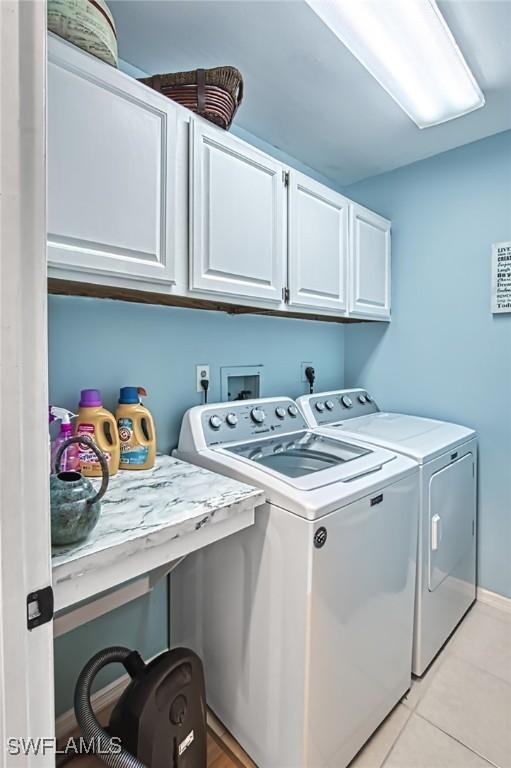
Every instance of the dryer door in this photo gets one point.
(451, 517)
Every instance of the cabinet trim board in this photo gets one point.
(64, 287)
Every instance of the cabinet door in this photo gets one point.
(237, 206)
(369, 264)
(111, 170)
(317, 246)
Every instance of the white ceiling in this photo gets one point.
(304, 92)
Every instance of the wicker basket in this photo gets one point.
(215, 94)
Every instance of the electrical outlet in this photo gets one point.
(303, 366)
(202, 372)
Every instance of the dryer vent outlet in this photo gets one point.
(241, 382)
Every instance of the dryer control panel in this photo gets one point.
(341, 405)
(233, 421)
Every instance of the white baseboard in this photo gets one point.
(66, 723)
(500, 602)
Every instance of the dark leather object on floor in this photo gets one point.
(161, 716)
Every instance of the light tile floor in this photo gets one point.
(458, 715)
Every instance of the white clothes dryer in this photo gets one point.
(447, 455)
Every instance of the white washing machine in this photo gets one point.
(304, 621)
(447, 454)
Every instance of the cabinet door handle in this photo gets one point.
(436, 532)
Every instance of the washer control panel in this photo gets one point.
(233, 421)
(331, 407)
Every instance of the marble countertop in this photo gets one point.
(144, 513)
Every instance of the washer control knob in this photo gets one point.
(369, 399)
(362, 399)
(215, 422)
(231, 419)
(257, 415)
(346, 401)
(320, 406)
(293, 411)
(329, 404)
(280, 412)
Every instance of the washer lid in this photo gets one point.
(300, 454)
(309, 460)
(417, 437)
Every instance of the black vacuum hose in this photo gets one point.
(86, 719)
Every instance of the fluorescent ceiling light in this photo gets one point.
(408, 48)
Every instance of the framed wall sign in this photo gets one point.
(501, 277)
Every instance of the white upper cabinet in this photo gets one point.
(369, 266)
(143, 194)
(237, 208)
(317, 245)
(111, 171)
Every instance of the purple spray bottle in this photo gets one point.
(70, 460)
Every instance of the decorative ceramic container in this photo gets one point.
(87, 24)
(75, 504)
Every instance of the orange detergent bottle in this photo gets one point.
(99, 424)
(137, 433)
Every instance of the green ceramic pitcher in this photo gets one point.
(75, 503)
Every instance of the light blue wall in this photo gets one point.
(141, 624)
(283, 157)
(107, 344)
(158, 348)
(261, 144)
(444, 354)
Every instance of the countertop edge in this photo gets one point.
(151, 540)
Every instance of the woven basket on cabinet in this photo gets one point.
(215, 94)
